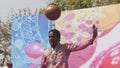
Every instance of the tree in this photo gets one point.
(5, 40)
(79, 4)
(73, 4)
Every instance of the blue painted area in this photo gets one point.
(25, 30)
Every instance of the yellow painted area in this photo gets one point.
(107, 16)
(111, 17)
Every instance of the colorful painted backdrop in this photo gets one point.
(29, 37)
(76, 27)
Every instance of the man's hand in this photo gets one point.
(95, 32)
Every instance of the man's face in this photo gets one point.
(53, 39)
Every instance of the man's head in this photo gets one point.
(54, 37)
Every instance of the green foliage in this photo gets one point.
(107, 2)
(41, 11)
(79, 4)
(73, 4)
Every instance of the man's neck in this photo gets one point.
(54, 47)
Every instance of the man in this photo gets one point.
(57, 56)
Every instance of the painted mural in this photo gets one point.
(76, 27)
(30, 37)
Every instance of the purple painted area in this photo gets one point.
(68, 26)
(89, 22)
(69, 16)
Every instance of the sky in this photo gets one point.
(7, 5)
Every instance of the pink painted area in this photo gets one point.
(108, 59)
(78, 40)
(32, 66)
(78, 58)
(69, 16)
(37, 60)
(89, 30)
(97, 22)
(107, 54)
(34, 50)
(68, 26)
(84, 29)
(99, 29)
(81, 26)
(69, 35)
(62, 32)
(89, 22)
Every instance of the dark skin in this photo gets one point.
(95, 33)
(54, 40)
